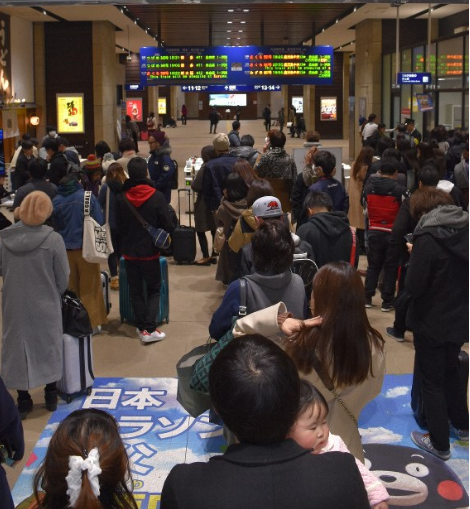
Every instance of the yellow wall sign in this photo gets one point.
(70, 115)
(162, 105)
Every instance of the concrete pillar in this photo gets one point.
(345, 97)
(104, 82)
(40, 78)
(368, 72)
(152, 96)
(309, 107)
(174, 112)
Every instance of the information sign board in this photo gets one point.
(237, 65)
(414, 78)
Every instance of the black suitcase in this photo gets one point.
(183, 238)
(416, 400)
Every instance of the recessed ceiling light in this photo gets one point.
(240, 31)
(228, 38)
(242, 22)
(355, 9)
(337, 21)
(228, 31)
(246, 10)
(322, 29)
(229, 22)
(230, 10)
(238, 38)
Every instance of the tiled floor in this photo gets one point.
(194, 296)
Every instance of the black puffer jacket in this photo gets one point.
(152, 206)
(437, 277)
(330, 236)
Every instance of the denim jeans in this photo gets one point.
(444, 398)
(145, 298)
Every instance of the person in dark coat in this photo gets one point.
(11, 432)
(58, 162)
(216, 172)
(203, 218)
(246, 150)
(214, 120)
(437, 280)
(21, 174)
(137, 246)
(161, 166)
(327, 231)
(254, 387)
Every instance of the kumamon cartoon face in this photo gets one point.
(415, 478)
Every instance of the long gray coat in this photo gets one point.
(35, 270)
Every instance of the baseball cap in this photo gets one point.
(267, 206)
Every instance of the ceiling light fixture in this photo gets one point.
(242, 22)
(230, 10)
(246, 10)
(229, 22)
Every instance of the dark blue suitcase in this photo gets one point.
(125, 304)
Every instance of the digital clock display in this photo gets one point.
(240, 65)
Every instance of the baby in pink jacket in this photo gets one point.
(311, 431)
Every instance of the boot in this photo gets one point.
(25, 406)
(51, 400)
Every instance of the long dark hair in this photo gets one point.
(344, 341)
(77, 435)
(363, 159)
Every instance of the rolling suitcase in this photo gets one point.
(125, 304)
(105, 279)
(416, 400)
(183, 238)
(77, 371)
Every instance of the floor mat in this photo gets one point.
(159, 434)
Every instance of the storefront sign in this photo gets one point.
(134, 87)
(70, 117)
(5, 57)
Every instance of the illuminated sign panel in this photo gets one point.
(240, 65)
(414, 78)
(220, 89)
(70, 118)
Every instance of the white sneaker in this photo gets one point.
(148, 337)
(158, 335)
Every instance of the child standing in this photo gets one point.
(311, 431)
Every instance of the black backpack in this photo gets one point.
(72, 168)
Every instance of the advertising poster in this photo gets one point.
(5, 57)
(134, 109)
(298, 104)
(424, 102)
(162, 105)
(70, 116)
(328, 108)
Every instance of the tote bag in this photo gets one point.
(97, 244)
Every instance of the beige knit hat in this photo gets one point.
(221, 142)
(35, 208)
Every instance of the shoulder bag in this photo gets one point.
(75, 319)
(97, 244)
(200, 377)
(352, 258)
(161, 238)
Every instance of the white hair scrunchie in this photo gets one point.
(74, 479)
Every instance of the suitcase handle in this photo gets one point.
(189, 204)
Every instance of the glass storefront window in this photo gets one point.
(450, 63)
(406, 62)
(419, 62)
(450, 109)
(432, 57)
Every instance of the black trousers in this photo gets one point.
(442, 392)
(145, 302)
(381, 254)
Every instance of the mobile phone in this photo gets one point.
(409, 238)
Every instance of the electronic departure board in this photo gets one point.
(237, 65)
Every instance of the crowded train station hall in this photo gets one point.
(234, 254)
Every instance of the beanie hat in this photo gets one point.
(159, 137)
(267, 206)
(35, 208)
(92, 163)
(107, 160)
(221, 142)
